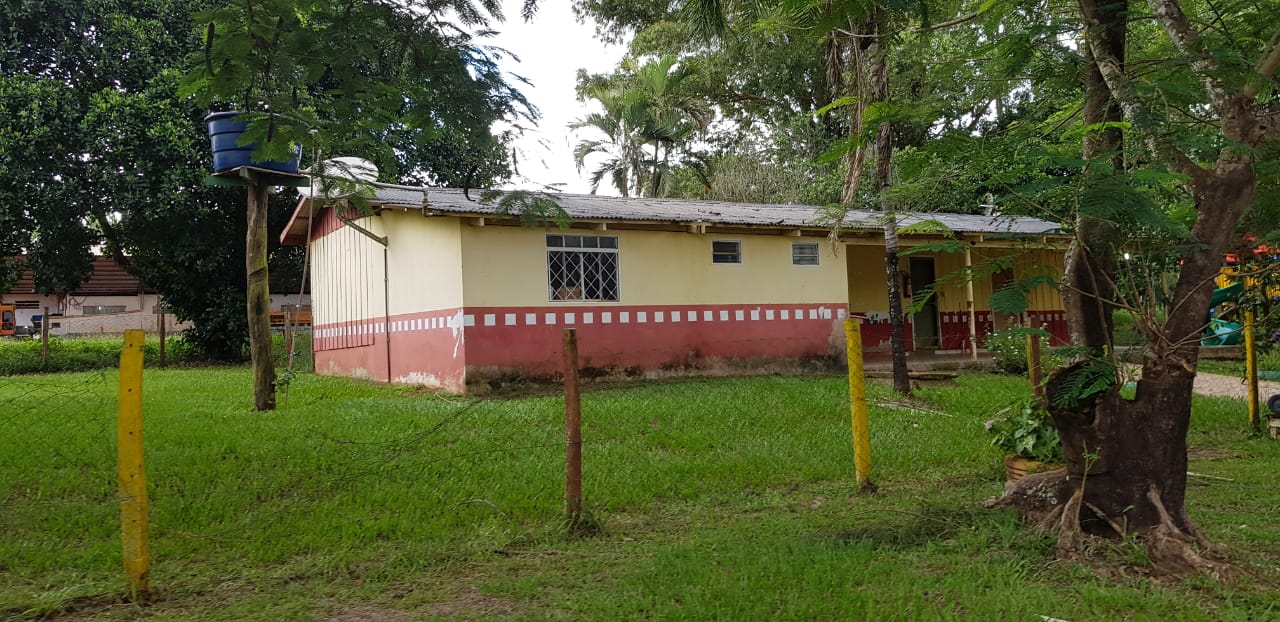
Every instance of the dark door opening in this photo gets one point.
(924, 323)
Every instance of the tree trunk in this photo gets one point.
(884, 179)
(657, 150)
(1090, 267)
(1127, 460)
(866, 47)
(259, 301)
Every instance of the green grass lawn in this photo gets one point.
(717, 499)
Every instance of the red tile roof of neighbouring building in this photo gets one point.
(107, 279)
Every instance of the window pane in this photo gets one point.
(726, 251)
(582, 275)
(589, 241)
(573, 241)
(555, 241)
(804, 254)
(608, 242)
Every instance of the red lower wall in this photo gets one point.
(528, 339)
(439, 348)
(955, 327)
(426, 348)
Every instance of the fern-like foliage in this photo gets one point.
(1083, 382)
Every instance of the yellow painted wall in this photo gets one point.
(868, 292)
(1042, 261)
(866, 285)
(423, 260)
(507, 266)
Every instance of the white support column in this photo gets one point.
(968, 301)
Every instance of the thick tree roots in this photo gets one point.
(1048, 502)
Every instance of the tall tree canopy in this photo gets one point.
(1148, 128)
(103, 146)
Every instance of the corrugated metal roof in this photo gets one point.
(601, 208)
(107, 279)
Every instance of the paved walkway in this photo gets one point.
(1233, 386)
(1215, 385)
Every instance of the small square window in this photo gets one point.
(726, 251)
(804, 254)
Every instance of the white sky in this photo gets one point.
(551, 48)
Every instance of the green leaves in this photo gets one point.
(1083, 381)
(1013, 298)
(366, 78)
(534, 209)
(1026, 430)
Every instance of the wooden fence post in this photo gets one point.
(160, 327)
(44, 338)
(1034, 371)
(1251, 371)
(858, 405)
(573, 431)
(134, 508)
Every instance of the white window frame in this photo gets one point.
(817, 253)
(617, 265)
(714, 253)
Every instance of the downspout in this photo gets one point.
(386, 283)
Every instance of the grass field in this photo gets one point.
(717, 499)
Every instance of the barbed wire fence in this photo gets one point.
(58, 488)
(462, 468)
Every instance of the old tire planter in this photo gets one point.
(1017, 467)
(224, 134)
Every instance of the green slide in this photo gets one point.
(1221, 332)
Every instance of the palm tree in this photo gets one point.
(620, 146)
(653, 107)
(672, 111)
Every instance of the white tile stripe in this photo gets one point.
(377, 326)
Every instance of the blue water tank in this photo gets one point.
(225, 131)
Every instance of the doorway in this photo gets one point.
(924, 323)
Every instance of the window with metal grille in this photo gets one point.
(26, 304)
(726, 251)
(582, 267)
(804, 254)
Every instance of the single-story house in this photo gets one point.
(435, 287)
(112, 301)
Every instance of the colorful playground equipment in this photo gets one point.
(1221, 332)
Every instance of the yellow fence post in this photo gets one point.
(134, 509)
(858, 405)
(1251, 370)
(1034, 373)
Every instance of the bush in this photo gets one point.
(1025, 429)
(1008, 349)
(87, 353)
(302, 361)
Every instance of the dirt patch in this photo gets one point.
(505, 383)
(366, 613)
(1210, 453)
(469, 603)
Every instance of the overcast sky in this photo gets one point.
(551, 49)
